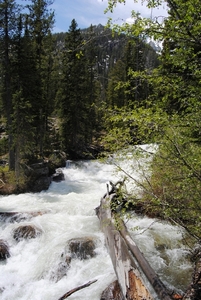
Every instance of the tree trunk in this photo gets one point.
(124, 253)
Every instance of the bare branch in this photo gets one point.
(77, 289)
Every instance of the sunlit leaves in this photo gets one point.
(170, 115)
(127, 127)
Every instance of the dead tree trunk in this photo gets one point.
(124, 253)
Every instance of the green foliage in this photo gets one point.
(74, 98)
(127, 126)
(169, 115)
(115, 93)
(25, 46)
(173, 191)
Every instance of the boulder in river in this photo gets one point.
(4, 250)
(82, 248)
(26, 232)
(58, 176)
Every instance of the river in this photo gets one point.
(69, 212)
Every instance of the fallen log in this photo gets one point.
(128, 261)
(158, 285)
(66, 295)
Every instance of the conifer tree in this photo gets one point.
(135, 62)
(25, 81)
(74, 97)
(23, 49)
(8, 26)
(40, 22)
(116, 96)
(92, 80)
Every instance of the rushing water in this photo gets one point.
(68, 206)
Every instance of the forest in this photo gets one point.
(107, 88)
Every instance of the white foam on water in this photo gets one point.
(69, 212)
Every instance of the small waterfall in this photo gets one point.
(68, 163)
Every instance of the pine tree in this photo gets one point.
(40, 22)
(92, 83)
(135, 63)
(74, 96)
(116, 96)
(8, 27)
(25, 82)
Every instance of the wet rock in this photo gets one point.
(112, 292)
(38, 174)
(40, 184)
(40, 169)
(58, 176)
(12, 217)
(82, 248)
(4, 250)
(62, 270)
(26, 232)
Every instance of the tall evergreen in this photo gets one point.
(23, 67)
(40, 22)
(8, 26)
(116, 96)
(92, 80)
(25, 82)
(135, 62)
(74, 96)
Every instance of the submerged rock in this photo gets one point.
(62, 269)
(26, 232)
(4, 250)
(82, 248)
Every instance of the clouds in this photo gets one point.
(89, 12)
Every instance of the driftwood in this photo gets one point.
(128, 261)
(77, 289)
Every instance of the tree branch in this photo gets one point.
(77, 289)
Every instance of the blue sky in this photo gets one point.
(87, 12)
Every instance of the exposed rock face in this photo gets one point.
(26, 232)
(112, 292)
(4, 250)
(41, 173)
(40, 184)
(38, 174)
(82, 248)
